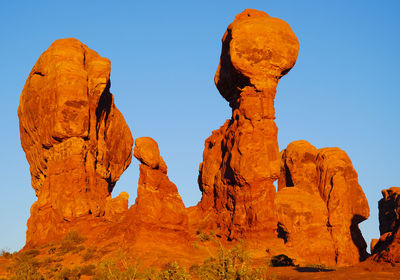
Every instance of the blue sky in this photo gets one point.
(343, 91)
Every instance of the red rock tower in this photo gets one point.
(76, 141)
(319, 205)
(241, 159)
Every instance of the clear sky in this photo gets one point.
(343, 91)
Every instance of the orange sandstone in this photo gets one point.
(241, 159)
(76, 141)
(78, 144)
(158, 202)
(320, 204)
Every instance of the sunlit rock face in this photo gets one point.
(241, 159)
(158, 202)
(320, 204)
(156, 226)
(76, 141)
(387, 248)
(78, 144)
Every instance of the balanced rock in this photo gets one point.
(320, 204)
(387, 248)
(241, 159)
(76, 141)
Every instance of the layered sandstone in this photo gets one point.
(241, 159)
(76, 141)
(387, 248)
(320, 204)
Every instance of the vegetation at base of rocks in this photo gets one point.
(89, 254)
(75, 273)
(229, 264)
(319, 267)
(6, 254)
(205, 236)
(71, 243)
(111, 270)
(171, 271)
(25, 266)
(281, 260)
(119, 267)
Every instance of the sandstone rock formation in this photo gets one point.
(320, 204)
(76, 141)
(116, 207)
(387, 248)
(157, 224)
(78, 144)
(158, 202)
(241, 159)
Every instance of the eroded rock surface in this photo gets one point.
(241, 159)
(387, 248)
(158, 202)
(78, 144)
(76, 141)
(320, 204)
(157, 224)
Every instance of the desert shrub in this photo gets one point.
(52, 250)
(89, 254)
(73, 237)
(281, 260)
(5, 254)
(232, 264)
(205, 236)
(121, 267)
(75, 273)
(25, 266)
(319, 267)
(68, 273)
(88, 270)
(109, 270)
(30, 253)
(70, 243)
(171, 271)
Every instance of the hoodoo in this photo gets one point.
(320, 204)
(76, 141)
(387, 248)
(78, 144)
(241, 159)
